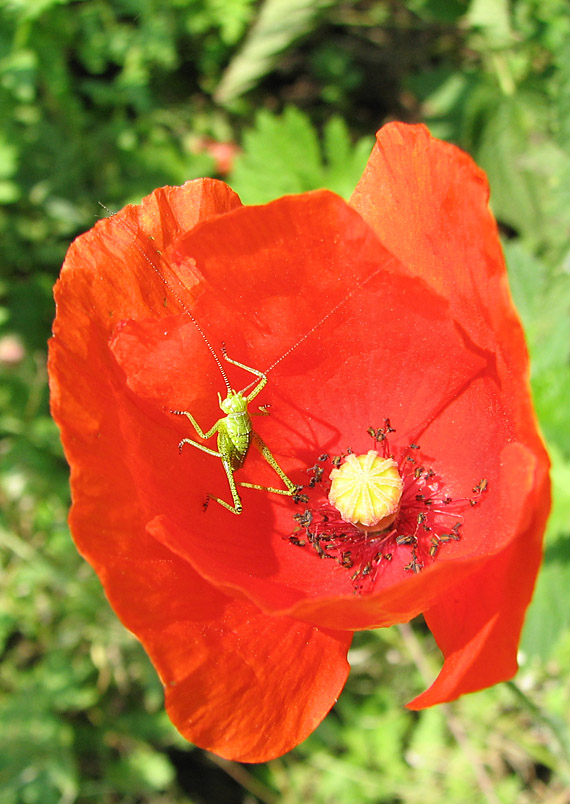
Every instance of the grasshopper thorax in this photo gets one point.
(234, 402)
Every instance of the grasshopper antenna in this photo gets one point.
(321, 321)
(175, 295)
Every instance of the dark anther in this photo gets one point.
(403, 538)
(346, 560)
(318, 472)
(305, 518)
(481, 486)
(297, 542)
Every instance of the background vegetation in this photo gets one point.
(104, 100)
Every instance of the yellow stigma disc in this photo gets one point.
(366, 490)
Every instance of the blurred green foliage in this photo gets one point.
(103, 100)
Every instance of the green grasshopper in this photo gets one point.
(235, 434)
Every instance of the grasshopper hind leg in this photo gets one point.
(237, 506)
(291, 489)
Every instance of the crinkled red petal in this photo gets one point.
(247, 686)
(428, 203)
(231, 673)
(478, 624)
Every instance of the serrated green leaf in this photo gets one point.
(289, 145)
(280, 156)
(336, 142)
(344, 161)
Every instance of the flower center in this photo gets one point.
(366, 490)
(376, 507)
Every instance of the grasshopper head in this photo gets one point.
(234, 402)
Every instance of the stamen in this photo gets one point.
(422, 520)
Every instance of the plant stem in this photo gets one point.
(246, 779)
(454, 724)
(538, 715)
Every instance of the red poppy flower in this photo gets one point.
(385, 325)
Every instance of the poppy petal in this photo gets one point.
(477, 625)
(247, 686)
(428, 202)
(214, 653)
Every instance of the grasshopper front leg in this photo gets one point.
(262, 377)
(237, 506)
(201, 433)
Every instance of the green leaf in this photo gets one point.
(36, 762)
(31, 9)
(446, 11)
(142, 769)
(551, 391)
(501, 150)
(280, 22)
(289, 145)
(542, 298)
(492, 17)
(548, 618)
(344, 161)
